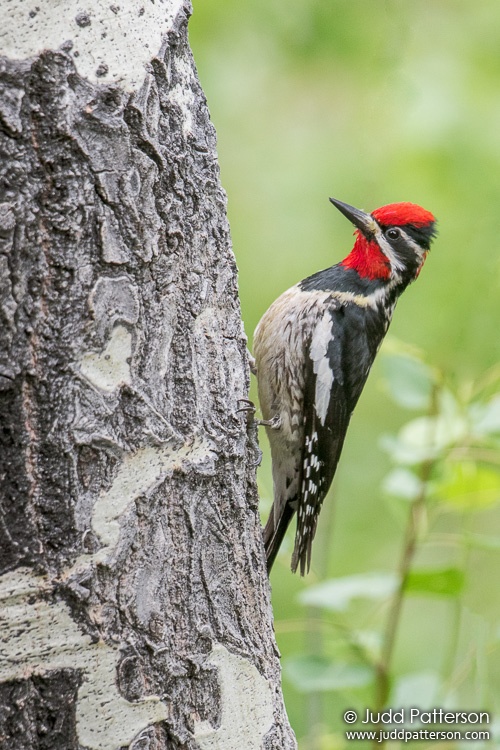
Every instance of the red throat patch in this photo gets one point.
(367, 259)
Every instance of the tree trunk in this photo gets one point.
(135, 602)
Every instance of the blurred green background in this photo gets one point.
(370, 102)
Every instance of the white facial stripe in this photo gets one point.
(386, 248)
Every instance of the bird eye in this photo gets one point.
(393, 234)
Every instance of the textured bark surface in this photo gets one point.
(135, 602)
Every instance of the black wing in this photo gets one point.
(328, 405)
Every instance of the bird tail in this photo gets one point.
(303, 548)
(274, 532)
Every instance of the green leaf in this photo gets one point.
(311, 674)
(402, 483)
(369, 641)
(438, 581)
(434, 432)
(409, 381)
(402, 453)
(417, 689)
(337, 593)
(486, 417)
(468, 486)
(425, 438)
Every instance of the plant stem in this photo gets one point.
(417, 511)
(314, 634)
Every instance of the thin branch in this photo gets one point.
(416, 515)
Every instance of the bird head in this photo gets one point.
(391, 243)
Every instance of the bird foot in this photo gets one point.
(274, 423)
(249, 408)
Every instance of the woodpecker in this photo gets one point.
(314, 348)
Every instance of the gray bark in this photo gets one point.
(135, 602)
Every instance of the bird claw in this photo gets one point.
(249, 406)
(257, 462)
(248, 409)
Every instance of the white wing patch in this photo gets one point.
(322, 336)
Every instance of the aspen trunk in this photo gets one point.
(134, 599)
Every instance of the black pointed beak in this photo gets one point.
(363, 221)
